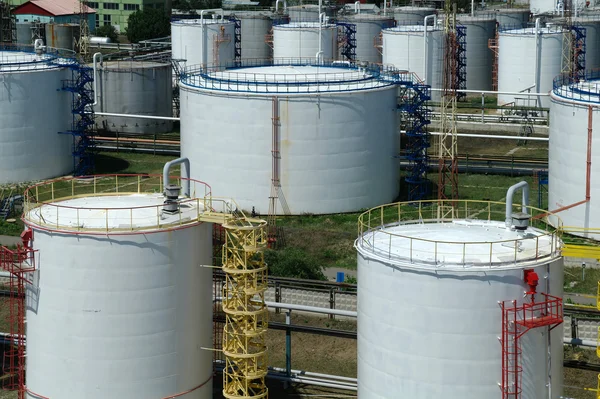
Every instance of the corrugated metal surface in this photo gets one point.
(516, 63)
(426, 331)
(135, 87)
(120, 316)
(211, 42)
(62, 35)
(337, 147)
(301, 40)
(33, 110)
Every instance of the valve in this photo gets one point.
(531, 279)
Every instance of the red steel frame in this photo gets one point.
(18, 263)
(516, 321)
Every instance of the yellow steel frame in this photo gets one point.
(246, 315)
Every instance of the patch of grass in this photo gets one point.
(575, 379)
(575, 284)
(128, 162)
(11, 229)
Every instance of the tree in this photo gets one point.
(149, 23)
(294, 263)
(107, 31)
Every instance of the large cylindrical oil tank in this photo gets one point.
(404, 48)
(34, 111)
(430, 296)
(135, 87)
(203, 41)
(120, 306)
(24, 33)
(368, 29)
(301, 40)
(570, 108)
(326, 134)
(255, 26)
(478, 55)
(517, 52)
(409, 15)
(304, 13)
(592, 38)
(62, 35)
(543, 7)
(509, 18)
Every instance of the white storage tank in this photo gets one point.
(203, 41)
(121, 306)
(479, 57)
(33, 110)
(509, 18)
(430, 320)
(409, 15)
(304, 13)
(368, 29)
(517, 52)
(333, 126)
(592, 39)
(62, 36)
(254, 27)
(24, 34)
(569, 113)
(135, 87)
(543, 7)
(404, 48)
(301, 40)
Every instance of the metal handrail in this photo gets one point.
(379, 219)
(565, 86)
(52, 193)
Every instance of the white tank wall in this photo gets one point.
(337, 150)
(305, 13)
(425, 334)
(141, 88)
(405, 50)
(568, 162)
(24, 33)
(211, 42)
(479, 57)
(121, 316)
(62, 36)
(301, 40)
(516, 64)
(254, 30)
(411, 15)
(33, 110)
(368, 28)
(516, 18)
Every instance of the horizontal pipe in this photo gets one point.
(311, 374)
(580, 342)
(162, 118)
(497, 92)
(304, 308)
(490, 136)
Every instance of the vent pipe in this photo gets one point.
(519, 219)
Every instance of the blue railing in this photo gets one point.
(348, 76)
(50, 57)
(569, 87)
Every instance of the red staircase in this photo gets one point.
(516, 321)
(20, 264)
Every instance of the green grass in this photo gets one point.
(11, 229)
(575, 284)
(129, 162)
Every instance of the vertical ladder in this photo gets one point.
(348, 43)
(82, 128)
(493, 46)
(237, 40)
(20, 264)
(579, 50)
(461, 60)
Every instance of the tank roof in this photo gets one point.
(413, 8)
(585, 91)
(292, 78)
(117, 204)
(303, 25)
(409, 28)
(465, 18)
(401, 234)
(531, 31)
(199, 22)
(20, 61)
(366, 17)
(133, 64)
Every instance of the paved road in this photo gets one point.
(9, 240)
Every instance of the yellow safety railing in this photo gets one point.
(545, 243)
(201, 206)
